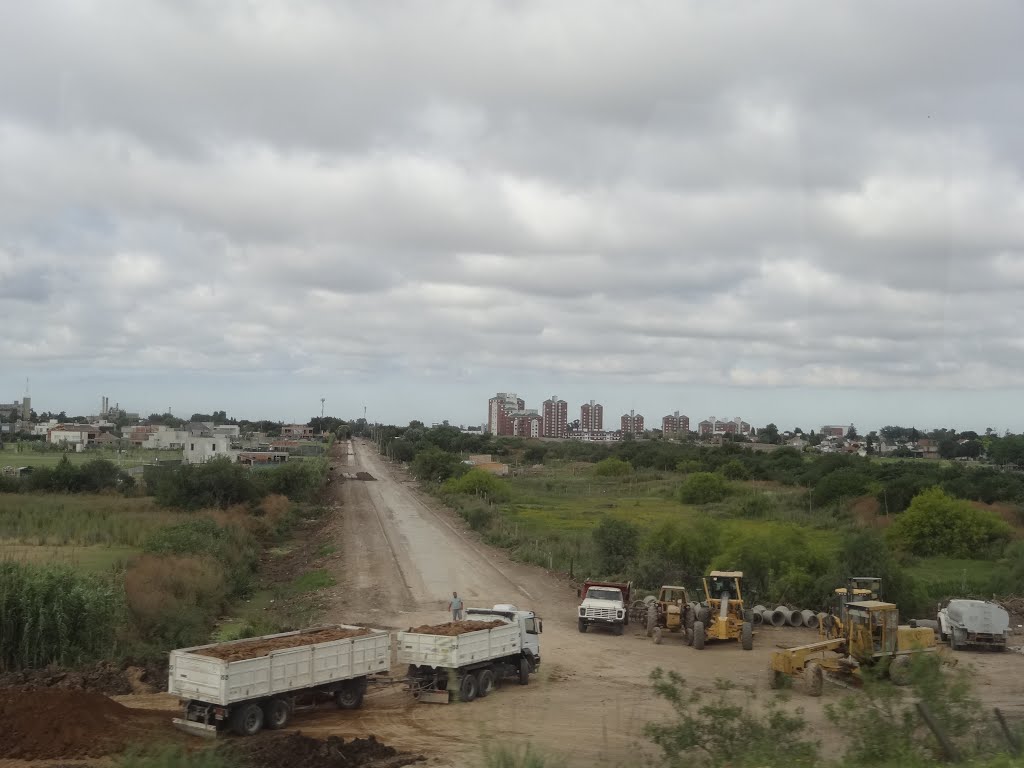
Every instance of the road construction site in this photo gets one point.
(403, 555)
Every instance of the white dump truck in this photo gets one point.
(256, 683)
(470, 665)
(604, 604)
(974, 623)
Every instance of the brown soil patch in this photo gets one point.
(49, 724)
(297, 751)
(253, 649)
(103, 677)
(866, 513)
(453, 628)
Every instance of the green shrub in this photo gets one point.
(174, 757)
(612, 467)
(230, 545)
(844, 483)
(298, 480)
(616, 542)
(703, 488)
(479, 482)
(936, 524)
(734, 470)
(219, 483)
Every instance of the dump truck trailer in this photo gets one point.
(470, 665)
(247, 685)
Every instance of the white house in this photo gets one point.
(199, 450)
(166, 438)
(228, 430)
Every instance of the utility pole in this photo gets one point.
(322, 416)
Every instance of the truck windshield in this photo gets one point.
(595, 593)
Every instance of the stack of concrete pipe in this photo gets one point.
(781, 616)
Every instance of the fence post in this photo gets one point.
(1014, 744)
(947, 746)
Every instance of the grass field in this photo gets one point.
(92, 559)
(10, 456)
(81, 520)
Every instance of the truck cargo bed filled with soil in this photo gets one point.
(453, 628)
(263, 646)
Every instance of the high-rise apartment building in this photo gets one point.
(591, 417)
(498, 409)
(632, 423)
(675, 424)
(556, 418)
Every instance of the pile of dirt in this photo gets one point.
(453, 628)
(297, 751)
(253, 649)
(104, 677)
(50, 723)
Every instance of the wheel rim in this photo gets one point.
(279, 714)
(252, 720)
(347, 697)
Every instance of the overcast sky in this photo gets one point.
(799, 212)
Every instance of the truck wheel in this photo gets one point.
(485, 682)
(657, 635)
(953, 644)
(899, 670)
(247, 720)
(814, 679)
(582, 625)
(747, 636)
(524, 672)
(276, 714)
(467, 688)
(620, 629)
(698, 635)
(350, 695)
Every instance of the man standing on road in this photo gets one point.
(455, 606)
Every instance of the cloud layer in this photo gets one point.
(686, 193)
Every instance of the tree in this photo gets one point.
(851, 433)
(616, 541)
(612, 467)
(938, 525)
(770, 434)
(436, 466)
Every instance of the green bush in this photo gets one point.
(703, 488)
(612, 467)
(844, 483)
(734, 470)
(219, 483)
(479, 482)
(936, 524)
(435, 465)
(298, 480)
(616, 542)
(674, 553)
(229, 545)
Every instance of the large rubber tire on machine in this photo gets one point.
(747, 636)
(350, 695)
(467, 688)
(485, 682)
(524, 672)
(813, 679)
(657, 635)
(899, 670)
(699, 635)
(776, 680)
(247, 720)
(276, 714)
(652, 619)
(581, 625)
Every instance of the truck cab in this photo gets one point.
(530, 627)
(604, 603)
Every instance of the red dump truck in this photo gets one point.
(605, 603)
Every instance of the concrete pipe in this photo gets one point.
(776, 618)
(929, 623)
(794, 618)
(758, 608)
(810, 619)
(756, 618)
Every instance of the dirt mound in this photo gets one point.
(298, 751)
(104, 677)
(453, 628)
(256, 648)
(50, 723)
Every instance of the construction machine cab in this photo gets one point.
(872, 628)
(676, 595)
(725, 584)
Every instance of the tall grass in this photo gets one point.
(84, 519)
(52, 614)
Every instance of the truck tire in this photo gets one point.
(698, 635)
(582, 625)
(814, 679)
(467, 688)
(524, 672)
(485, 682)
(247, 720)
(276, 714)
(747, 636)
(899, 670)
(953, 644)
(652, 619)
(620, 629)
(657, 635)
(350, 695)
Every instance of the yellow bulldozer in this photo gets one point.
(671, 612)
(724, 618)
(865, 633)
